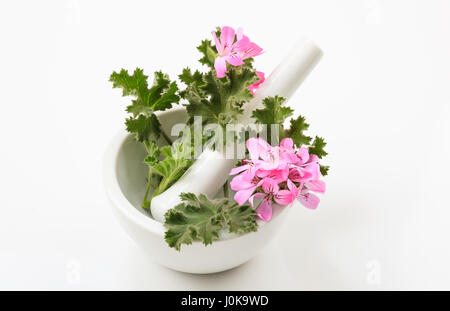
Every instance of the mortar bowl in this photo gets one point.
(125, 180)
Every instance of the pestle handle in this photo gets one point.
(287, 76)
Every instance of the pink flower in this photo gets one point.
(256, 85)
(277, 174)
(258, 148)
(272, 192)
(231, 51)
(304, 167)
(244, 184)
(308, 199)
(264, 155)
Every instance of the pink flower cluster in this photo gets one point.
(233, 48)
(277, 174)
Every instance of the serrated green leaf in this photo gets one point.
(161, 82)
(160, 96)
(136, 108)
(187, 77)
(240, 219)
(153, 152)
(177, 159)
(135, 85)
(220, 100)
(317, 147)
(324, 170)
(208, 52)
(195, 218)
(273, 113)
(296, 131)
(193, 83)
(199, 218)
(143, 126)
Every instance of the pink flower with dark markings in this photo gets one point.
(233, 48)
(277, 174)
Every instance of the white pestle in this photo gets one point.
(210, 171)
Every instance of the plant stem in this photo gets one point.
(166, 137)
(160, 189)
(145, 203)
(226, 193)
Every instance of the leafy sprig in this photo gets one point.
(199, 218)
(169, 163)
(217, 100)
(143, 122)
(145, 126)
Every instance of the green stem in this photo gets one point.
(226, 193)
(145, 203)
(167, 138)
(161, 188)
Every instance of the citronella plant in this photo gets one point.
(280, 174)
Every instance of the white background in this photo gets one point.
(380, 97)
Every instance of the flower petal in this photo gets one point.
(251, 50)
(284, 197)
(241, 45)
(243, 195)
(256, 195)
(279, 174)
(287, 143)
(316, 186)
(239, 169)
(309, 200)
(293, 188)
(219, 46)
(239, 33)
(257, 147)
(256, 85)
(303, 155)
(242, 182)
(227, 37)
(234, 59)
(313, 158)
(221, 66)
(264, 210)
(270, 186)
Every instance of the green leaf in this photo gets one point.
(209, 53)
(219, 100)
(193, 83)
(153, 152)
(143, 126)
(273, 113)
(195, 218)
(134, 85)
(163, 93)
(324, 170)
(317, 147)
(177, 159)
(187, 77)
(296, 131)
(199, 218)
(240, 219)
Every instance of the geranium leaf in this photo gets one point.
(199, 218)
(163, 93)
